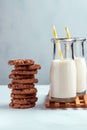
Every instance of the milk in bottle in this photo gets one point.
(63, 73)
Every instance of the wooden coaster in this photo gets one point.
(80, 102)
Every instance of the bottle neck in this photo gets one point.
(67, 51)
(79, 49)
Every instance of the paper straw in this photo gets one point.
(67, 32)
(67, 35)
(58, 43)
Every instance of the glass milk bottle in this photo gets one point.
(80, 66)
(63, 72)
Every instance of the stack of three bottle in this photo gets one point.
(68, 76)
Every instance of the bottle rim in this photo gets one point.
(63, 40)
(72, 39)
(80, 39)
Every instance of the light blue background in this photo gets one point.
(26, 30)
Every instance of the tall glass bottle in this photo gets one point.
(80, 66)
(63, 72)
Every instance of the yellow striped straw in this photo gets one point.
(58, 43)
(67, 32)
(67, 35)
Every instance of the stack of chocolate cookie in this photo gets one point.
(23, 81)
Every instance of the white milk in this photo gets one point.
(81, 74)
(63, 79)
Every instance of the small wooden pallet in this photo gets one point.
(80, 102)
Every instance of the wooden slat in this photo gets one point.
(47, 102)
(85, 99)
(77, 101)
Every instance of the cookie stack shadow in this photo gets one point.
(23, 91)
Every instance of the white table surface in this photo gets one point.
(39, 117)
